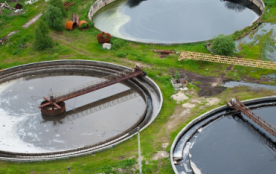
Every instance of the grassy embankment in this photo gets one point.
(83, 45)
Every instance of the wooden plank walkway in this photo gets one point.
(227, 60)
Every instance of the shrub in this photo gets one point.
(42, 38)
(223, 45)
(53, 18)
(59, 4)
(270, 3)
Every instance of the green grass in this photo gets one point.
(13, 23)
(83, 45)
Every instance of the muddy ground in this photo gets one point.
(210, 86)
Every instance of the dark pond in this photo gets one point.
(176, 21)
(23, 129)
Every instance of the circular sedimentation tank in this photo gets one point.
(92, 122)
(222, 141)
(172, 22)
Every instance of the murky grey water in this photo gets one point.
(231, 146)
(23, 129)
(232, 84)
(176, 21)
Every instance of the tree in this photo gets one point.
(223, 45)
(59, 4)
(53, 18)
(42, 38)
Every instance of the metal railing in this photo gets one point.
(236, 104)
(96, 84)
(227, 60)
(100, 107)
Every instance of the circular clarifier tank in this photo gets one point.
(224, 142)
(176, 21)
(90, 120)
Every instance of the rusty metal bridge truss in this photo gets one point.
(54, 104)
(227, 60)
(236, 104)
(95, 85)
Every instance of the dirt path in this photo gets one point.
(33, 20)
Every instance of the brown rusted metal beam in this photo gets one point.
(53, 101)
(236, 104)
(102, 85)
(50, 101)
(67, 5)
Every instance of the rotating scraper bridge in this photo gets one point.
(54, 104)
(239, 106)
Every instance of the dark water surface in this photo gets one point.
(174, 21)
(23, 129)
(268, 114)
(230, 146)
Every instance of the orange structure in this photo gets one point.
(70, 25)
(83, 22)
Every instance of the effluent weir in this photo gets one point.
(48, 110)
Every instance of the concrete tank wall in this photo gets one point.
(96, 6)
(206, 115)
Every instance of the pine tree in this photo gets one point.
(42, 38)
(59, 4)
(53, 18)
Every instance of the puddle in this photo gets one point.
(232, 84)
(269, 51)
